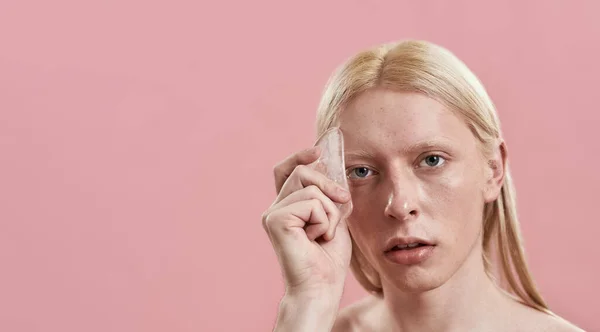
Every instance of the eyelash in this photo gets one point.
(443, 161)
(433, 155)
(351, 170)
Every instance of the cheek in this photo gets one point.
(364, 204)
(451, 191)
(459, 187)
(362, 219)
(365, 220)
(455, 201)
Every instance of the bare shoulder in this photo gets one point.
(534, 320)
(358, 316)
(555, 323)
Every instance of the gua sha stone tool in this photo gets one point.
(331, 163)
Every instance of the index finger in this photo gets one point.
(285, 168)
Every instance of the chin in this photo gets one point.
(414, 279)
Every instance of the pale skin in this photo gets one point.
(414, 169)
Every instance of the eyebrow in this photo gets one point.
(359, 154)
(442, 144)
(429, 144)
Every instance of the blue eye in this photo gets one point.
(433, 161)
(359, 172)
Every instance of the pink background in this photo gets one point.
(137, 141)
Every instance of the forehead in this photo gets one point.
(384, 116)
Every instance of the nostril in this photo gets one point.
(413, 212)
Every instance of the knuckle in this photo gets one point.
(300, 170)
(277, 170)
(313, 190)
(315, 203)
(266, 219)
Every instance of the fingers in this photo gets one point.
(313, 192)
(303, 176)
(318, 222)
(285, 168)
(307, 201)
(302, 217)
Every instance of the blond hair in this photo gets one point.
(423, 67)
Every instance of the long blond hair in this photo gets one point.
(420, 66)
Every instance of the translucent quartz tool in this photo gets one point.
(331, 162)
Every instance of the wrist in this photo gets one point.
(314, 312)
(321, 292)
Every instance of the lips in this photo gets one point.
(404, 243)
(407, 246)
(409, 250)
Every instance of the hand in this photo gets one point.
(305, 227)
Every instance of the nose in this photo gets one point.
(402, 201)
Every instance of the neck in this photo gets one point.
(460, 304)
